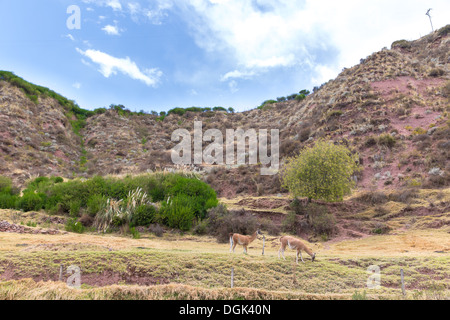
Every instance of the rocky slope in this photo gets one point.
(392, 109)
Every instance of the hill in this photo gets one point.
(392, 109)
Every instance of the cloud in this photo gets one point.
(113, 4)
(111, 30)
(256, 38)
(318, 36)
(110, 65)
(154, 12)
(76, 85)
(236, 74)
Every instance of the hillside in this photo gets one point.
(392, 109)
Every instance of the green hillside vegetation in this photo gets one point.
(110, 203)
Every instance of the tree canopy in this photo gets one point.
(320, 172)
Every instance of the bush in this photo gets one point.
(200, 228)
(222, 222)
(74, 208)
(178, 212)
(321, 172)
(403, 44)
(8, 201)
(144, 215)
(291, 223)
(156, 229)
(298, 207)
(134, 233)
(320, 220)
(386, 140)
(203, 197)
(73, 225)
(30, 201)
(95, 204)
(5, 184)
(114, 201)
(370, 142)
(436, 72)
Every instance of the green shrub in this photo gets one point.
(5, 184)
(321, 172)
(178, 212)
(31, 201)
(74, 208)
(73, 225)
(8, 201)
(144, 215)
(95, 204)
(58, 179)
(203, 197)
(134, 233)
(99, 197)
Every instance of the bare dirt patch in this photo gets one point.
(105, 278)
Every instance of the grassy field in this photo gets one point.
(190, 267)
(184, 266)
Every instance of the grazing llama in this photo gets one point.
(295, 244)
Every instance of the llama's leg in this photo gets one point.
(301, 256)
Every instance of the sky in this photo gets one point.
(161, 54)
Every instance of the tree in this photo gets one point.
(321, 172)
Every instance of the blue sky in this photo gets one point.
(160, 54)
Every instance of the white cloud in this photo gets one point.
(76, 85)
(154, 12)
(70, 37)
(114, 4)
(237, 74)
(110, 65)
(322, 36)
(111, 30)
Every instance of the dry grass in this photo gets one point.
(184, 266)
(28, 289)
(199, 268)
